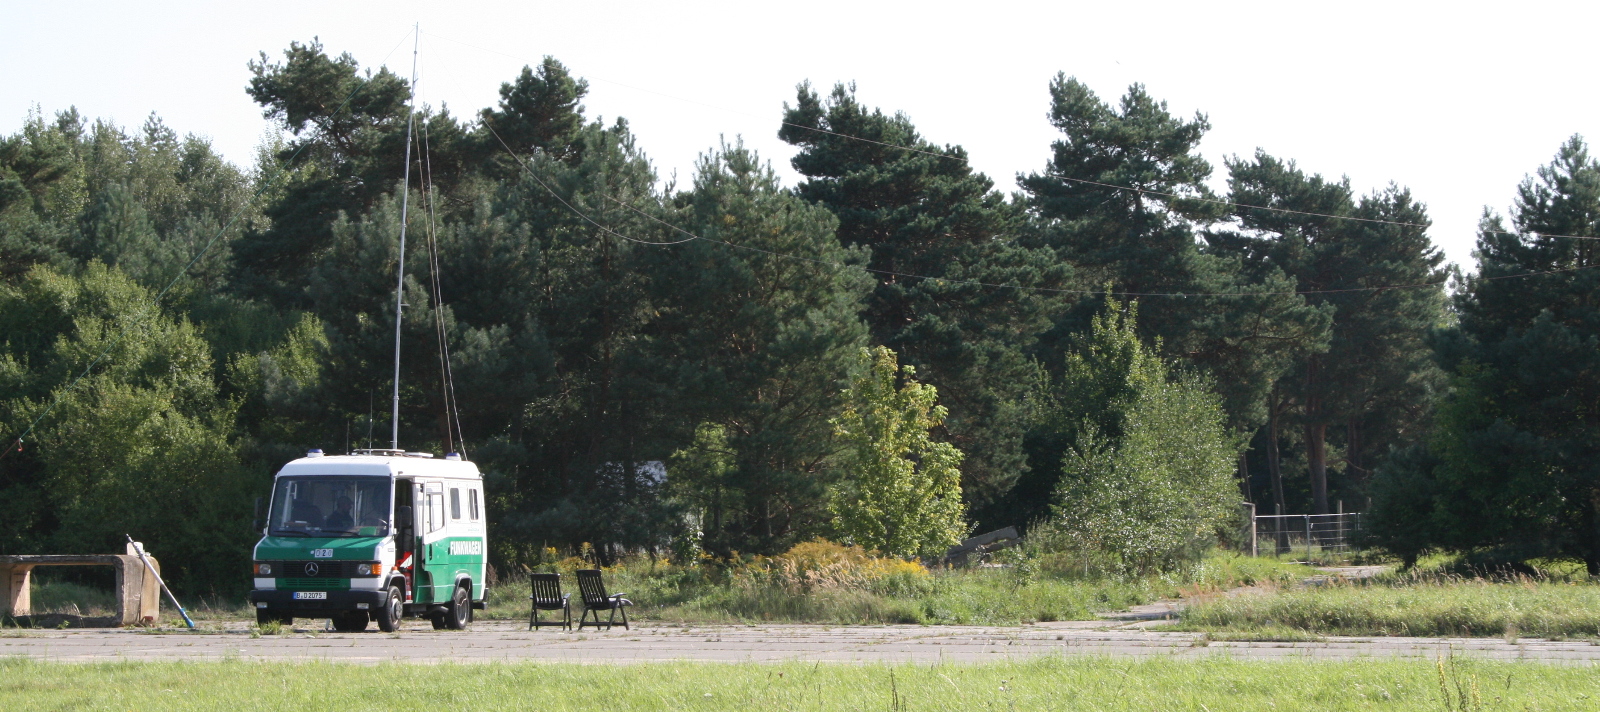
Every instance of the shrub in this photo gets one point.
(1149, 481)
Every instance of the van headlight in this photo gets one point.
(369, 570)
(263, 569)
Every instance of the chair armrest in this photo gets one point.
(616, 595)
(566, 596)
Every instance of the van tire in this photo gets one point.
(459, 612)
(390, 612)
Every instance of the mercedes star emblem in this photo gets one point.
(311, 568)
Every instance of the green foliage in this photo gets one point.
(539, 112)
(1242, 321)
(902, 490)
(1512, 466)
(140, 446)
(1363, 368)
(1147, 479)
(756, 343)
(699, 474)
(594, 336)
(930, 223)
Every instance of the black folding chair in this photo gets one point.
(596, 600)
(547, 596)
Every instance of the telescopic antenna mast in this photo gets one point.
(400, 281)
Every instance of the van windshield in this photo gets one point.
(330, 506)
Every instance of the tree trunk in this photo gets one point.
(1317, 458)
(1352, 451)
(1275, 474)
(1274, 461)
(1591, 559)
(1244, 476)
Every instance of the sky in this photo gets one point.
(1456, 101)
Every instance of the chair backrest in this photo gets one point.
(546, 588)
(592, 588)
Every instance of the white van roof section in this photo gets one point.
(381, 466)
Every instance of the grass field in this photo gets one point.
(1428, 605)
(1040, 684)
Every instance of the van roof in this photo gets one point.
(381, 465)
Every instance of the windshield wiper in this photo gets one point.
(288, 532)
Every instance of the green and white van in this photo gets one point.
(375, 535)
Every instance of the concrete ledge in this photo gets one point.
(138, 594)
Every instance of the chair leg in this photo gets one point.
(533, 619)
(624, 618)
(566, 610)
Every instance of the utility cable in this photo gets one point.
(531, 174)
(525, 165)
(527, 168)
(1081, 181)
(447, 374)
(400, 278)
(270, 182)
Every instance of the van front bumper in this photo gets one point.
(336, 602)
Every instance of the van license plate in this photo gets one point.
(310, 595)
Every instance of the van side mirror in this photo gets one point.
(259, 522)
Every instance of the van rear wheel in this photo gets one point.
(460, 611)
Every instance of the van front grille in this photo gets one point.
(324, 568)
(311, 584)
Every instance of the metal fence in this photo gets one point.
(1285, 533)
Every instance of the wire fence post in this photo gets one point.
(1308, 537)
(1250, 509)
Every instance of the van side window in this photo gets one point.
(455, 503)
(435, 512)
(472, 499)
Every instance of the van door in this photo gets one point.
(405, 536)
(436, 575)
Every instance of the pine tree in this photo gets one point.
(931, 223)
(756, 330)
(1512, 466)
(350, 133)
(1124, 200)
(1365, 266)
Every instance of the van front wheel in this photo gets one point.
(460, 613)
(389, 615)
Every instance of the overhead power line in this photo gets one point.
(526, 166)
(1081, 181)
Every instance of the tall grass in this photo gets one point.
(1044, 683)
(1415, 604)
(822, 582)
(70, 598)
